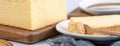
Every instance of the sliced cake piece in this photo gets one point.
(73, 27)
(32, 14)
(105, 22)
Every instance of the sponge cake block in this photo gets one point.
(32, 14)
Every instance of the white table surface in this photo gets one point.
(71, 5)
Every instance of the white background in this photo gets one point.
(71, 5)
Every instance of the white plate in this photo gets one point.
(109, 9)
(62, 27)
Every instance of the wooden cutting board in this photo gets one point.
(78, 13)
(26, 36)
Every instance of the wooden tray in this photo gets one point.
(26, 36)
(78, 13)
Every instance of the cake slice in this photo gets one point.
(105, 22)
